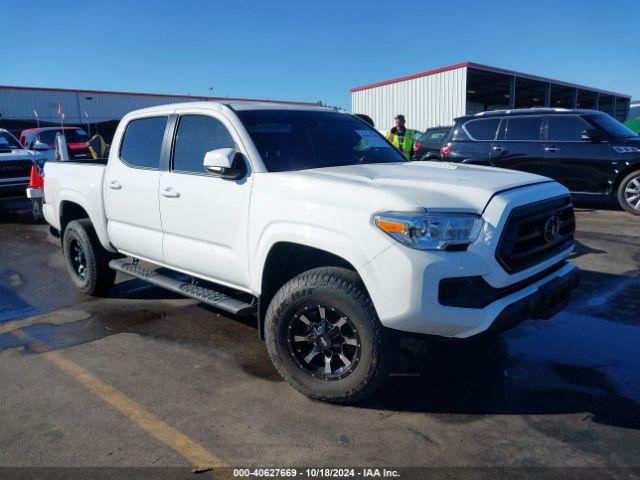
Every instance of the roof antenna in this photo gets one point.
(210, 91)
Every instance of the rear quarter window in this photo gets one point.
(484, 129)
(142, 142)
(457, 133)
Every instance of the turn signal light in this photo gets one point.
(390, 226)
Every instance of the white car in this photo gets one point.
(310, 219)
(15, 165)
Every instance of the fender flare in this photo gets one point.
(325, 239)
(97, 219)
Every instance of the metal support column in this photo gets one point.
(547, 95)
(512, 93)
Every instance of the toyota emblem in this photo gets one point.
(551, 228)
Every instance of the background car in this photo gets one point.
(427, 147)
(586, 150)
(15, 165)
(76, 137)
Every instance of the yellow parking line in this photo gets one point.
(198, 455)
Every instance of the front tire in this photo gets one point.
(629, 193)
(324, 337)
(87, 261)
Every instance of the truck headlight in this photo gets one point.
(430, 231)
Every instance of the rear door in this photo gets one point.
(131, 189)
(579, 165)
(205, 217)
(518, 145)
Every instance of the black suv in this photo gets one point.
(427, 147)
(586, 150)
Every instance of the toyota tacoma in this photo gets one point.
(309, 219)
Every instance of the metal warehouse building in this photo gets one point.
(20, 105)
(436, 97)
(634, 110)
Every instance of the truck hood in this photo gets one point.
(441, 186)
(16, 155)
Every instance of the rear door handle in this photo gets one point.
(551, 149)
(498, 148)
(169, 192)
(113, 185)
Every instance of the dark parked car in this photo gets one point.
(427, 147)
(586, 150)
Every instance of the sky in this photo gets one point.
(310, 50)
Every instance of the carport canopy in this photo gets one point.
(490, 88)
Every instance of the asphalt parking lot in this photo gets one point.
(146, 378)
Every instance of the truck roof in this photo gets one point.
(233, 105)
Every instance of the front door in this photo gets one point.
(131, 189)
(205, 217)
(581, 166)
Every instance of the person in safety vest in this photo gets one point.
(401, 137)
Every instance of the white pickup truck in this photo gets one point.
(311, 220)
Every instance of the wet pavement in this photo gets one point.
(563, 392)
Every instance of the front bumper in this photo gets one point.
(405, 290)
(405, 284)
(547, 300)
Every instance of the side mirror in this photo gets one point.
(40, 147)
(223, 162)
(591, 135)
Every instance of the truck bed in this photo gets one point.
(78, 182)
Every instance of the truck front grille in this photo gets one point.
(15, 169)
(536, 232)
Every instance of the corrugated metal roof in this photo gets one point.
(486, 68)
(82, 106)
(141, 94)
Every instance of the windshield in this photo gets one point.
(613, 126)
(72, 136)
(301, 139)
(7, 138)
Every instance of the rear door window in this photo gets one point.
(523, 128)
(566, 128)
(482, 129)
(142, 142)
(197, 135)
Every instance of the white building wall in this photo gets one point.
(19, 104)
(427, 101)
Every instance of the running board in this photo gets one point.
(205, 295)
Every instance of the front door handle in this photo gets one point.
(113, 185)
(498, 148)
(551, 149)
(170, 193)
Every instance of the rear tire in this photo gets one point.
(351, 359)
(87, 261)
(629, 193)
